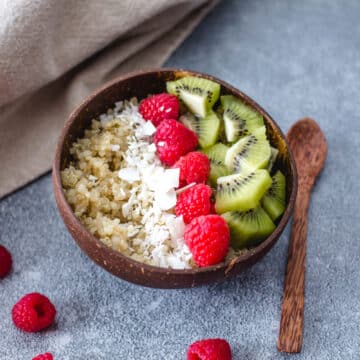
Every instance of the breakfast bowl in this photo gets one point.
(140, 84)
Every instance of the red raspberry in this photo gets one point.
(46, 356)
(194, 167)
(194, 202)
(209, 349)
(33, 312)
(172, 140)
(5, 261)
(208, 239)
(159, 107)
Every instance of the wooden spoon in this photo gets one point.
(308, 146)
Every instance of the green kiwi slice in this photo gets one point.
(241, 192)
(207, 128)
(239, 119)
(198, 94)
(249, 153)
(171, 87)
(248, 228)
(216, 155)
(273, 155)
(274, 199)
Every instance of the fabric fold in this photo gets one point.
(34, 105)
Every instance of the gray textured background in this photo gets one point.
(296, 59)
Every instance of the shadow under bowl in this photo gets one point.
(140, 84)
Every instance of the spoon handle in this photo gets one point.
(292, 312)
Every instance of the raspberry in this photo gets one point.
(172, 140)
(194, 167)
(46, 356)
(5, 261)
(33, 312)
(159, 107)
(209, 349)
(208, 239)
(194, 202)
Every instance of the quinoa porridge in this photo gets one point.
(119, 190)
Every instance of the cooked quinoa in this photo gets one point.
(113, 186)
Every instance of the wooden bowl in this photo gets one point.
(140, 84)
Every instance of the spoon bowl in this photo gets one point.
(309, 148)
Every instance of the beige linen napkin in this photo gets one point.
(53, 53)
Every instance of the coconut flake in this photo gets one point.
(152, 148)
(118, 106)
(171, 178)
(166, 200)
(92, 178)
(105, 118)
(186, 187)
(152, 176)
(146, 129)
(115, 147)
(126, 209)
(175, 262)
(176, 227)
(161, 180)
(129, 174)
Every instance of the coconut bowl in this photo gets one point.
(140, 84)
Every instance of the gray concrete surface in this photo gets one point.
(296, 58)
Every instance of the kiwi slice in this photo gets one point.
(171, 87)
(216, 155)
(274, 199)
(207, 128)
(198, 94)
(273, 155)
(248, 228)
(249, 153)
(239, 192)
(239, 119)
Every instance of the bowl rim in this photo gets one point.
(226, 266)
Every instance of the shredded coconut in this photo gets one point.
(115, 147)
